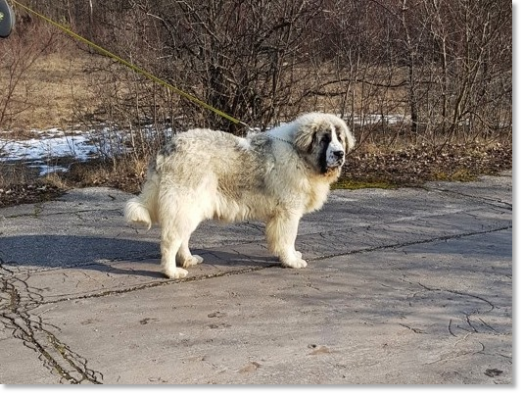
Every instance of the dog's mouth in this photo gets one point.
(336, 163)
(333, 166)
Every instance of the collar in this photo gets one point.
(285, 141)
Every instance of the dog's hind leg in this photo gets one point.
(180, 220)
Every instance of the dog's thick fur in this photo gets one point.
(275, 177)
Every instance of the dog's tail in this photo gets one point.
(143, 208)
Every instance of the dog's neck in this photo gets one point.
(285, 141)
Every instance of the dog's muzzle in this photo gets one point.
(338, 154)
(338, 158)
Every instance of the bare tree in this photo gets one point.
(444, 65)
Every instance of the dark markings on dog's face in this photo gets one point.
(325, 138)
(313, 142)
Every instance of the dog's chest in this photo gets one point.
(316, 196)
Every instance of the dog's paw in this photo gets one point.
(295, 264)
(176, 272)
(292, 258)
(192, 261)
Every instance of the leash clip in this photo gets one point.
(7, 19)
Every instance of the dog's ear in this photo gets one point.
(305, 137)
(343, 132)
(350, 141)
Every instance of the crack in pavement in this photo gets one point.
(410, 243)
(492, 307)
(155, 284)
(459, 354)
(56, 356)
(473, 312)
(38, 209)
(497, 203)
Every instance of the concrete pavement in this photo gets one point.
(407, 286)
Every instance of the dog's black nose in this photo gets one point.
(338, 154)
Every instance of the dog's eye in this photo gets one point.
(325, 139)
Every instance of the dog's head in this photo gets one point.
(324, 140)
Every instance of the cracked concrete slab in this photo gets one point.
(403, 286)
(23, 366)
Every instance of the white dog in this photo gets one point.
(275, 177)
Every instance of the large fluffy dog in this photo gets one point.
(275, 177)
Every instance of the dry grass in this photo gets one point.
(53, 88)
(16, 174)
(126, 173)
(52, 93)
(413, 165)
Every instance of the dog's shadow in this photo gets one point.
(113, 255)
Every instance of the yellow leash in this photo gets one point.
(132, 66)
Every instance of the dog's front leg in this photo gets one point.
(281, 233)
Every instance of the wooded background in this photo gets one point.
(421, 69)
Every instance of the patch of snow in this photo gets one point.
(49, 147)
(389, 119)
